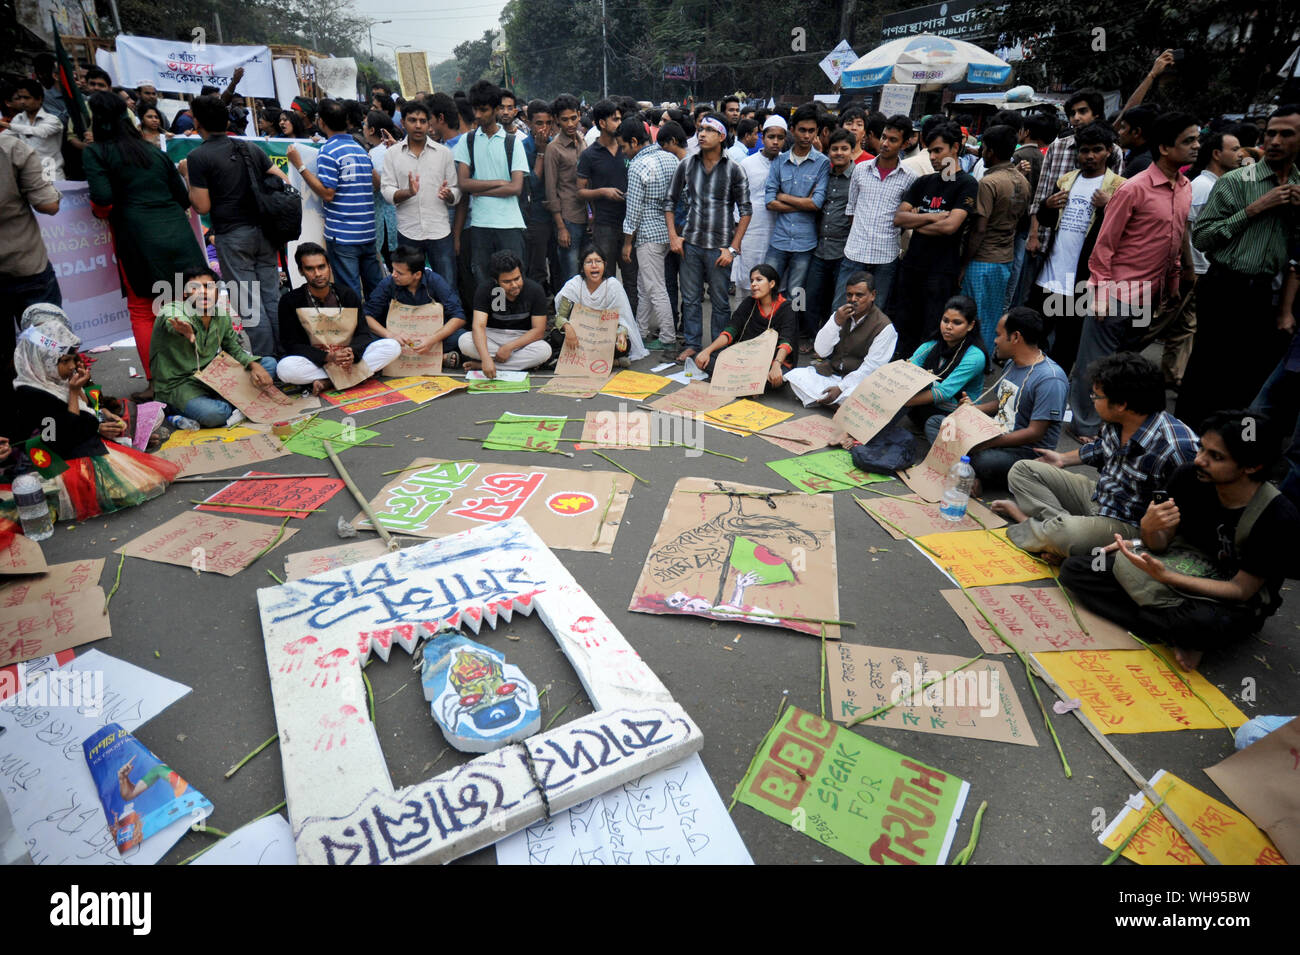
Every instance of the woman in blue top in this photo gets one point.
(956, 355)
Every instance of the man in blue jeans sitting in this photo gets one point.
(712, 185)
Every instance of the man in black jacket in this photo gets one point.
(304, 363)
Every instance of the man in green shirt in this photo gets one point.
(187, 336)
(1246, 230)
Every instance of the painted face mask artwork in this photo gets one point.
(480, 701)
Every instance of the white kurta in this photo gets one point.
(808, 386)
(753, 247)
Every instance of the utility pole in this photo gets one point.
(847, 14)
(604, 54)
(370, 32)
(216, 15)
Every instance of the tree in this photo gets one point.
(474, 58)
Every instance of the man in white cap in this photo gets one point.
(755, 168)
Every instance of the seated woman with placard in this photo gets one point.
(596, 289)
(765, 308)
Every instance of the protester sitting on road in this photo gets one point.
(412, 284)
(956, 354)
(1138, 449)
(303, 362)
(857, 339)
(764, 308)
(187, 335)
(509, 323)
(595, 288)
(1225, 538)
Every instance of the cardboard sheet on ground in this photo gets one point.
(1264, 781)
(854, 796)
(818, 431)
(56, 579)
(673, 816)
(421, 389)
(52, 623)
(260, 405)
(1132, 691)
(364, 397)
(589, 359)
(1035, 619)
(206, 542)
(1228, 834)
(919, 518)
(572, 387)
(305, 493)
(831, 470)
(961, 431)
(18, 554)
(309, 562)
(565, 507)
(634, 385)
(185, 439)
(747, 416)
(728, 557)
(978, 702)
(223, 455)
(506, 382)
(627, 430)
(879, 397)
(520, 432)
(49, 791)
(267, 841)
(417, 321)
(742, 368)
(329, 327)
(306, 439)
(982, 558)
(695, 398)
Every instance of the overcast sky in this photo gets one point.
(435, 27)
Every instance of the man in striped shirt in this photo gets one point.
(345, 179)
(649, 175)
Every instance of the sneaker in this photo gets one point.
(235, 418)
(653, 344)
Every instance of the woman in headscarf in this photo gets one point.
(138, 190)
(102, 475)
(764, 308)
(592, 288)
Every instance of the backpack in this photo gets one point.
(888, 452)
(510, 155)
(279, 205)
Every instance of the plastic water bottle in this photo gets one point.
(182, 423)
(956, 490)
(33, 511)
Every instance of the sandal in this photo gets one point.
(451, 359)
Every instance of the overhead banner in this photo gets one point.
(336, 76)
(175, 66)
(80, 248)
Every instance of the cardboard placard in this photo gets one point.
(307, 563)
(57, 579)
(961, 431)
(1228, 834)
(983, 558)
(514, 432)
(918, 518)
(1035, 618)
(185, 439)
(420, 322)
(852, 795)
(818, 431)
(505, 383)
(331, 327)
(37, 628)
(364, 397)
(977, 702)
(748, 416)
(206, 542)
(695, 398)
(742, 368)
(221, 455)
(728, 557)
(19, 554)
(634, 385)
(590, 356)
(626, 430)
(1132, 691)
(566, 508)
(305, 493)
(1264, 781)
(419, 389)
(879, 397)
(831, 470)
(227, 378)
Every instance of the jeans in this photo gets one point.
(672, 274)
(793, 269)
(356, 266)
(654, 315)
(1112, 334)
(569, 257)
(212, 412)
(697, 266)
(1280, 400)
(885, 275)
(485, 242)
(609, 239)
(992, 464)
(248, 259)
(439, 253)
(1015, 286)
(823, 278)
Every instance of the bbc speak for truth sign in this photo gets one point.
(177, 66)
(80, 248)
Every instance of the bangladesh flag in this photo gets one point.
(64, 79)
(46, 462)
(748, 557)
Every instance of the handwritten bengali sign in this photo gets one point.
(852, 795)
(330, 328)
(590, 355)
(1132, 691)
(962, 430)
(51, 622)
(18, 554)
(301, 494)
(1264, 780)
(220, 455)
(831, 470)
(180, 66)
(183, 439)
(516, 432)
(421, 389)
(418, 322)
(879, 397)
(745, 416)
(1034, 618)
(57, 579)
(364, 397)
(308, 563)
(309, 437)
(626, 430)
(814, 432)
(742, 368)
(267, 405)
(695, 398)
(983, 558)
(206, 542)
(913, 516)
(636, 385)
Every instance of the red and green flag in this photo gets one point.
(65, 79)
(44, 460)
(748, 557)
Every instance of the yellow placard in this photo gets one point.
(634, 385)
(749, 415)
(420, 388)
(984, 558)
(1228, 834)
(1133, 691)
(184, 439)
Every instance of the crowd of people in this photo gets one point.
(1042, 253)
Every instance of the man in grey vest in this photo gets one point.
(857, 339)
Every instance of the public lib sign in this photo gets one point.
(175, 66)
